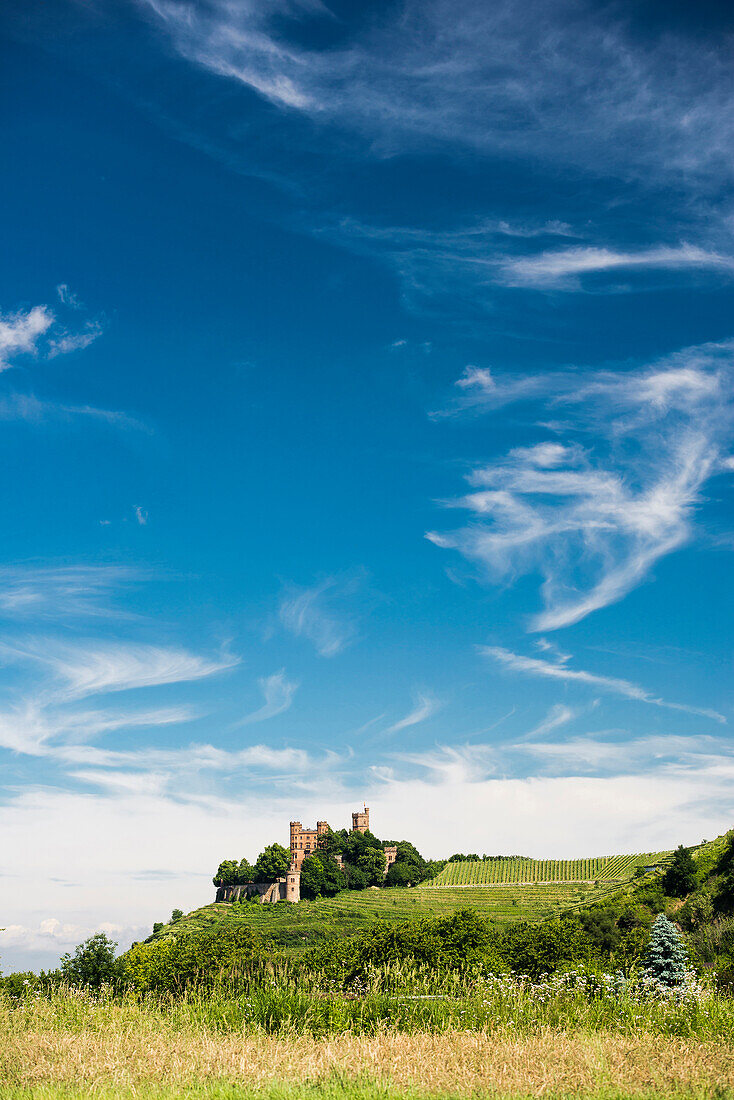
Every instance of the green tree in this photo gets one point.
(372, 862)
(245, 872)
(666, 958)
(400, 874)
(92, 964)
(226, 873)
(321, 876)
(355, 877)
(680, 877)
(272, 863)
(176, 915)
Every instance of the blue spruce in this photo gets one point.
(666, 961)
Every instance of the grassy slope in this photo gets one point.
(294, 927)
(302, 925)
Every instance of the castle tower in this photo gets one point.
(293, 885)
(361, 821)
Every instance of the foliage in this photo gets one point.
(176, 915)
(371, 861)
(321, 876)
(226, 873)
(173, 964)
(400, 874)
(666, 959)
(93, 963)
(245, 872)
(724, 900)
(680, 877)
(272, 863)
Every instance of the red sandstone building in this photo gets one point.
(306, 841)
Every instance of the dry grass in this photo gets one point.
(458, 1062)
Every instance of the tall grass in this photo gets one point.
(398, 997)
(404, 1032)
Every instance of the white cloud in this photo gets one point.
(141, 515)
(66, 342)
(493, 78)
(278, 693)
(424, 707)
(625, 756)
(100, 666)
(594, 513)
(20, 332)
(534, 666)
(558, 715)
(67, 297)
(310, 613)
(561, 270)
(50, 592)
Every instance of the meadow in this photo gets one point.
(571, 1035)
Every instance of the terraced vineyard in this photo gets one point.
(505, 871)
(295, 927)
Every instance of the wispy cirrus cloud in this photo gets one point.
(620, 755)
(278, 693)
(51, 592)
(493, 79)
(535, 666)
(471, 262)
(35, 728)
(616, 490)
(562, 270)
(424, 707)
(317, 613)
(99, 667)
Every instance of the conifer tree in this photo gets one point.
(666, 961)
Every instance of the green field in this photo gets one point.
(496, 872)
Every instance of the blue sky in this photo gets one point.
(367, 398)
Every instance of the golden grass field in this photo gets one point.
(136, 1053)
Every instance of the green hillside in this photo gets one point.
(493, 872)
(294, 927)
(536, 891)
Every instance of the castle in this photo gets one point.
(303, 843)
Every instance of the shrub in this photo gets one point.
(171, 965)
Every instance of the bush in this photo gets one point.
(171, 965)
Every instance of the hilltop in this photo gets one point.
(504, 891)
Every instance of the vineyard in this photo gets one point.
(513, 870)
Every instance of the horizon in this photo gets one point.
(367, 384)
